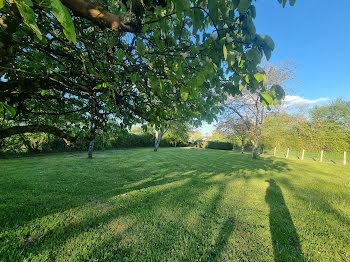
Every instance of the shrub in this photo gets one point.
(218, 145)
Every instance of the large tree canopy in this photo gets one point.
(69, 66)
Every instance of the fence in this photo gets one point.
(321, 156)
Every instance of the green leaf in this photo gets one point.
(194, 92)
(292, 2)
(279, 91)
(2, 3)
(43, 92)
(10, 109)
(213, 9)
(225, 51)
(259, 77)
(243, 6)
(247, 79)
(196, 20)
(133, 77)
(267, 53)
(266, 99)
(140, 46)
(253, 11)
(184, 93)
(28, 16)
(254, 56)
(236, 79)
(62, 14)
(268, 41)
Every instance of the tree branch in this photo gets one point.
(98, 15)
(15, 130)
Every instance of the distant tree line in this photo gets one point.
(113, 138)
(325, 127)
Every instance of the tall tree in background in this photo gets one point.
(325, 127)
(178, 133)
(248, 108)
(196, 135)
(234, 127)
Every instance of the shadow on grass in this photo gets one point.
(222, 239)
(192, 170)
(285, 239)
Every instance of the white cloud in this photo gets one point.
(298, 101)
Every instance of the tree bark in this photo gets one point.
(91, 148)
(255, 152)
(158, 137)
(243, 144)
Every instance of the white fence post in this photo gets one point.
(321, 158)
(274, 152)
(287, 152)
(344, 158)
(302, 155)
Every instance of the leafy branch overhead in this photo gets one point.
(152, 61)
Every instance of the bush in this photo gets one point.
(218, 145)
(44, 143)
(215, 145)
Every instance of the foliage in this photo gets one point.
(217, 145)
(327, 128)
(176, 62)
(178, 133)
(46, 143)
(244, 114)
(196, 135)
(217, 136)
(212, 204)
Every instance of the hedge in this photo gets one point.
(215, 145)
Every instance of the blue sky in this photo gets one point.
(316, 35)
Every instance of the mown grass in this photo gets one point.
(332, 157)
(174, 205)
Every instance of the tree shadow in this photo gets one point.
(285, 239)
(192, 173)
(222, 239)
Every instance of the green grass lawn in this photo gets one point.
(174, 205)
(333, 157)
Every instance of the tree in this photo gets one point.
(244, 113)
(321, 128)
(171, 65)
(178, 133)
(331, 125)
(234, 127)
(217, 135)
(137, 130)
(337, 111)
(196, 135)
(158, 135)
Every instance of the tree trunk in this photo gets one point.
(175, 143)
(255, 152)
(91, 148)
(243, 144)
(158, 137)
